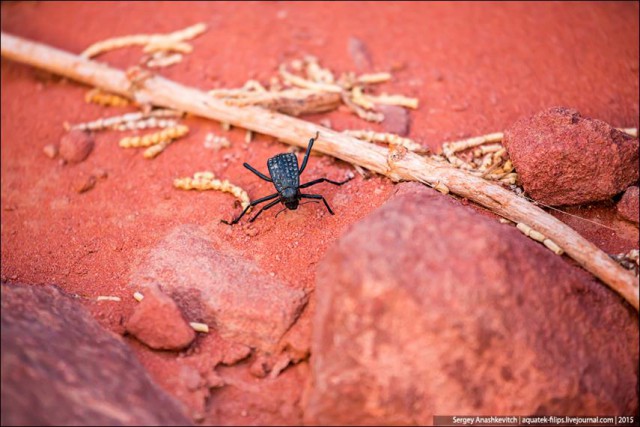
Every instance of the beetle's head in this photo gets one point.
(290, 198)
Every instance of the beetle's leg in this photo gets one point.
(264, 208)
(306, 156)
(260, 174)
(319, 180)
(255, 202)
(319, 197)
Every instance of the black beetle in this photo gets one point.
(285, 176)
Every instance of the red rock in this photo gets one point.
(266, 402)
(235, 353)
(628, 206)
(296, 343)
(428, 307)
(60, 367)
(565, 159)
(222, 288)
(213, 380)
(190, 377)
(396, 119)
(261, 366)
(76, 145)
(158, 322)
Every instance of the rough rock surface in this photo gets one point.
(59, 367)
(628, 207)
(565, 159)
(158, 322)
(76, 145)
(428, 307)
(225, 290)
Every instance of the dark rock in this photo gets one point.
(224, 289)
(427, 307)
(628, 207)
(158, 322)
(76, 145)
(59, 367)
(563, 158)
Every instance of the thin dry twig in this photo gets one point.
(108, 298)
(162, 60)
(124, 119)
(411, 167)
(316, 91)
(148, 123)
(203, 181)
(387, 138)
(163, 136)
(539, 237)
(294, 102)
(152, 42)
(488, 161)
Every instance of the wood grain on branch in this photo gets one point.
(155, 90)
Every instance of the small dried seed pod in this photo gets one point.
(199, 327)
(96, 96)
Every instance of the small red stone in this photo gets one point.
(158, 322)
(76, 146)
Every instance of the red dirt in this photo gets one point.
(476, 68)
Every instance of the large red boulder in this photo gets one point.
(563, 158)
(60, 367)
(427, 307)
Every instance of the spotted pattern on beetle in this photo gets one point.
(283, 169)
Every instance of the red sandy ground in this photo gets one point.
(475, 68)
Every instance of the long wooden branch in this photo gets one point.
(150, 89)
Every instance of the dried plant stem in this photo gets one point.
(206, 180)
(154, 138)
(125, 120)
(294, 102)
(410, 167)
(387, 138)
(152, 42)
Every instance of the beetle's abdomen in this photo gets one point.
(284, 171)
